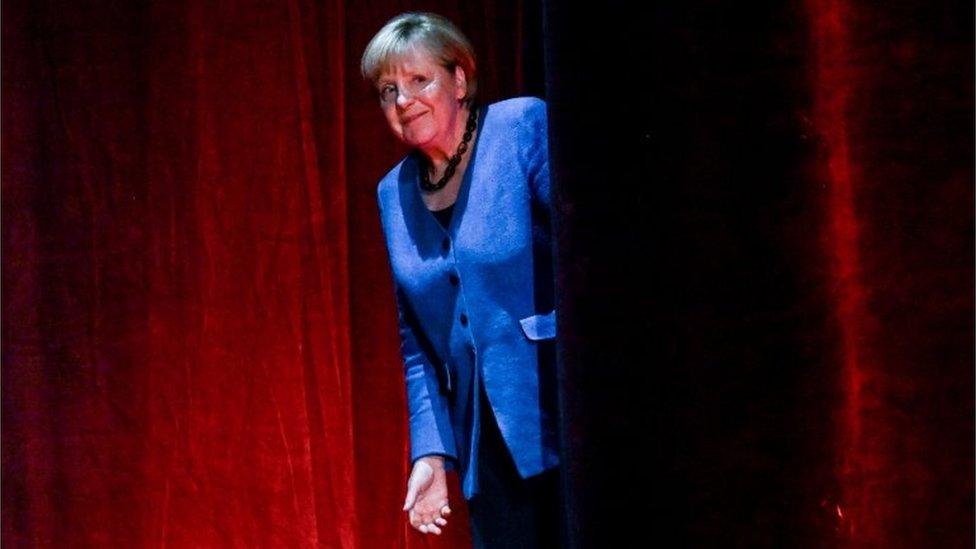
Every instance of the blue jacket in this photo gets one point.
(476, 300)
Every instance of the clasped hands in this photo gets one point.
(426, 499)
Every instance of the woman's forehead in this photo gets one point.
(412, 58)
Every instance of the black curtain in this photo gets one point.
(765, 218)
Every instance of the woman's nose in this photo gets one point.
(403, 97)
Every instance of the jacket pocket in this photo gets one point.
(539, 327)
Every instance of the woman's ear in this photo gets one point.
(460, 82)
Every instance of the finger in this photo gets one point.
(440, 521)
(411, 496)
(445, 510)
(423, 528)
(433, 529)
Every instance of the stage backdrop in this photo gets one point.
(199, 333)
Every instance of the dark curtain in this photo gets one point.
(199, 336)
(765, 271)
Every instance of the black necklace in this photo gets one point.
(452, 164)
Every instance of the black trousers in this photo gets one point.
(509, 511)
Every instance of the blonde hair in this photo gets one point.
(433, 33)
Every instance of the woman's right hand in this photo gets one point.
(426, 499)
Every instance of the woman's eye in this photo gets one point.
(420, 79)
(387, 91)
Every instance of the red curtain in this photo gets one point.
(199, 341)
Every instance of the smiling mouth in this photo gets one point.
(412, 118)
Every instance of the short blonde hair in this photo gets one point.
(435, 34)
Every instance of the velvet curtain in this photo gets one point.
(765, 271)
(199, 336)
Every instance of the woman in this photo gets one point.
(466, 221)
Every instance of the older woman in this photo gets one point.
(466, 216)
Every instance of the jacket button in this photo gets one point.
(446, 244)
(453, 278)
(464, 319)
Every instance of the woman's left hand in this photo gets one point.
(426, 498)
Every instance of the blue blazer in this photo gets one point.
(475, 300)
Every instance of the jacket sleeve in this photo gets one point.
(430, 420)
(536, 134)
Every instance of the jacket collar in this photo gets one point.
(419, 219)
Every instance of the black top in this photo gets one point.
(444, 216)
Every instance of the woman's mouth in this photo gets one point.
(412, 118)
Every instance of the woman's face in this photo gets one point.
(421, 100)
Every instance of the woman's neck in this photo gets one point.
(439, 154)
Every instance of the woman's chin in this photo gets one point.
(415, 141)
